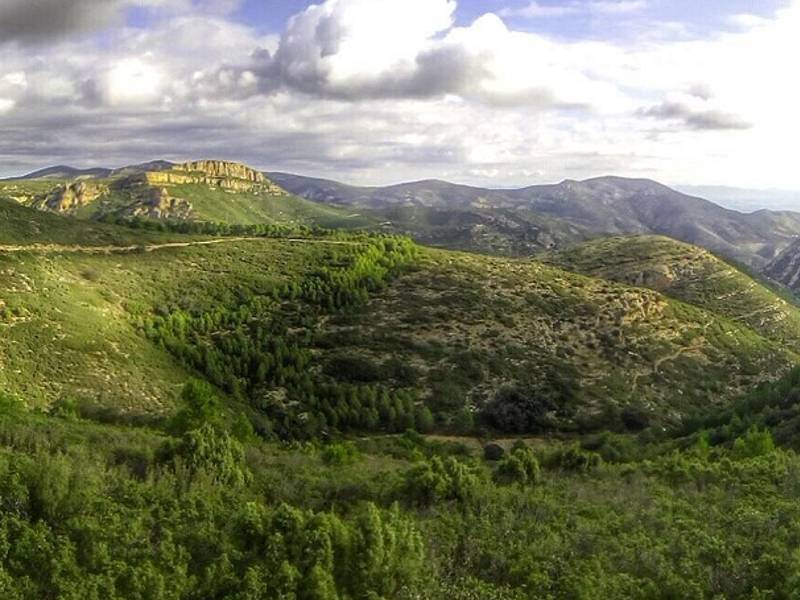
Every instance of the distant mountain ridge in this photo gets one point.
(598, 206)
(513, 222)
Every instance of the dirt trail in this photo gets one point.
(64, 249)
(694, 346)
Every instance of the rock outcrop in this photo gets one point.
(69, 197)
(215, 173)
(158, 204)
(785, 268)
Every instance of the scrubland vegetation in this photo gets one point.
(313, 415)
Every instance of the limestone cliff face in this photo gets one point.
(215, 173)
(224, 169)
(67, 198)
(158, 204)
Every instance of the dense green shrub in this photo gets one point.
(437, 480)
(518, 466)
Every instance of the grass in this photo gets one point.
(209, 204)
(21, 225)
(221, 206)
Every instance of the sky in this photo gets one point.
(487, 92)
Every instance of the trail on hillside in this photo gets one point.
(76, 249)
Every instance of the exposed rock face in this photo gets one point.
(67, 198)
(158, 204)
(785, 269)
(215, 173)
(224, 169)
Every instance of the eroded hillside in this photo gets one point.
(206, 190)
(688, 273)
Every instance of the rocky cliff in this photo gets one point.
(69, 197)
(215, 173)
(785, 268)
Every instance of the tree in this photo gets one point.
(754, 443)
(423, 419)
(199, 406)
(518, 466)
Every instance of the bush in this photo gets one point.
(518, 410)
(438, 480)
(754, 443)
(493, 452)
(518, 466)
(344, 453)
(200, 405)
(353, 368)
(215, 453)
(573, 458)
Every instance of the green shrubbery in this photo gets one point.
(251, 351)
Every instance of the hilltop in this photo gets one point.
(687, 273)
(206, 190)
(594, 207)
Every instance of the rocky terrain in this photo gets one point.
(785, 268)
(214, 173)
(205, 190)
(595, 207)
(68, 197)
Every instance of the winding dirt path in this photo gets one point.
(76, 249)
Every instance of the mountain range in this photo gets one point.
(251, 371)
(600, 206)
(505, 222)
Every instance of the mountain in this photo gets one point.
(209, 190)
(505, 222)
(595, 207)
(64, 172)
(785, 268)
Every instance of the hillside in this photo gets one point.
(19, 225)
(785, 268)
(210, 191)
(595, 207)
(505, 222)
(442, 409)
(687, 273)
(466, 336)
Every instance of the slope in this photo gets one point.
(600, 206)
(361, 332)
(534, 347)
(687, 273)
(785, 268)
(210, 191)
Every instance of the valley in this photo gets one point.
(250, 362)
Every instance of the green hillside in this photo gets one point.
(20, 225)
(221, 206)
(309, 417)
(687, 273)
(128, 195)
(293, 328)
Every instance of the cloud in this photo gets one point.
(694, 118)
(384, 90)
(357, 49)
(44, 19)
(536, 10)
(40, 21)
